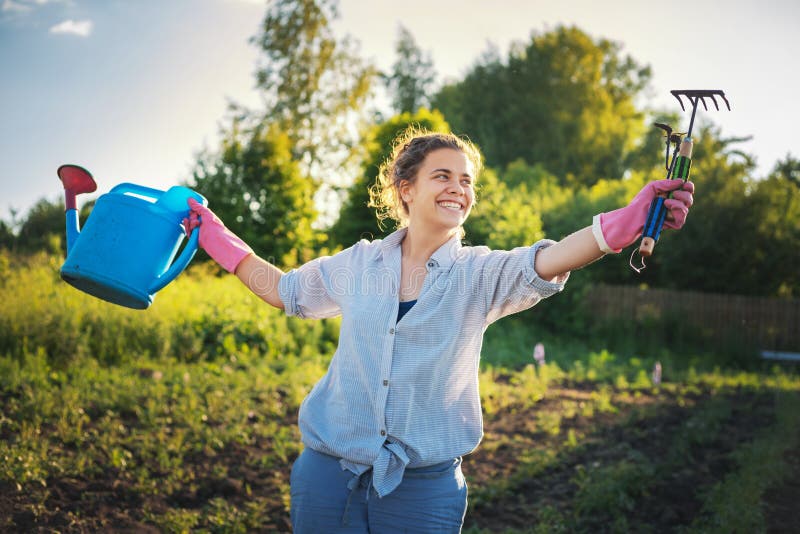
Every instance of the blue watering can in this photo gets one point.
(125, 252)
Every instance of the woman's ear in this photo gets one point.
(405, 189)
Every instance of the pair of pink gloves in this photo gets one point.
(613, 231)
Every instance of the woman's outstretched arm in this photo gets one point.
(262, 278)
(571, 253)
(234, 255)
(611, 232)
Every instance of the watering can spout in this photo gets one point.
(76, 180)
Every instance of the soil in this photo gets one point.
(646, 424)
(672, 501)
(781, 501)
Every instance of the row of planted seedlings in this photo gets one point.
(600, 449)
(160, 440)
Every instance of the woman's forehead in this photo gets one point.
(449, 159)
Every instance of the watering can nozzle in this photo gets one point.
(76, 180)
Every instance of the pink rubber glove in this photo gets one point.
(221, 244)
(617, 229)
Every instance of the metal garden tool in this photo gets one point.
(677, 167)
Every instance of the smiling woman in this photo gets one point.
(461, 162)
(385, 428)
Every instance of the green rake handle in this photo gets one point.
(658, 211)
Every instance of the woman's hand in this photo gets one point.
(225, 247)
(617, 229)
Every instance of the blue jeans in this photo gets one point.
(326, 498)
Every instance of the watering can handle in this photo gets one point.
(189, 250)
(179, 264)
(137, 190)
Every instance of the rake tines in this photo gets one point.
(699, 95)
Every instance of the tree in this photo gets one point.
(7, 238)
(313, 83)
(789, 170)
(258, 189)
(720, 249)
(357, 220)
(43, 228)
(412, 75)
(501, 217)
(779, 228)
(562, 100)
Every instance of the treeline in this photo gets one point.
(561, 129)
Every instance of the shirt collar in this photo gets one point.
(444, 257)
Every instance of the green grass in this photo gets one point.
(183, 418)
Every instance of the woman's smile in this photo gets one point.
(450, 205)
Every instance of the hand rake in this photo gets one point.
(677, 167)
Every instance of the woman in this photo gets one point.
(385, 428)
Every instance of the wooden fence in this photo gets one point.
(764, 323)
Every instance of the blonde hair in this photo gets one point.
(408, 152)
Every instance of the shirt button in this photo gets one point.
(385, 382)
(431, 264)
(383, 432)
(391, 330)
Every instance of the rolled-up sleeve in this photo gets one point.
(314, 290)
(510, 282)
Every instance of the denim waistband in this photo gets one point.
(433, 471)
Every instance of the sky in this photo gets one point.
(133, 89)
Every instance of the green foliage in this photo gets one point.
(183, 434)
(562, 100)
(738, 230)
(501, 217)
(412, 75)
(356, 219)
(43, 228)
(198, 317)
(312, 81)
(185, 414)
(256, 187)
(610, 493)
(735, 504)
(7, 237)
(777, 199)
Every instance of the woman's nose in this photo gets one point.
(456, 188)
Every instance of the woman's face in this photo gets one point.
(441, 197)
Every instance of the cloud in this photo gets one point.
(81, 28)
(10, 5)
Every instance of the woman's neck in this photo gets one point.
(418, 246)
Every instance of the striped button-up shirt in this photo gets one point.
(405, 393)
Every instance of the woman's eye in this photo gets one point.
(466, 182)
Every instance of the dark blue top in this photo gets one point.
(404, 307)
